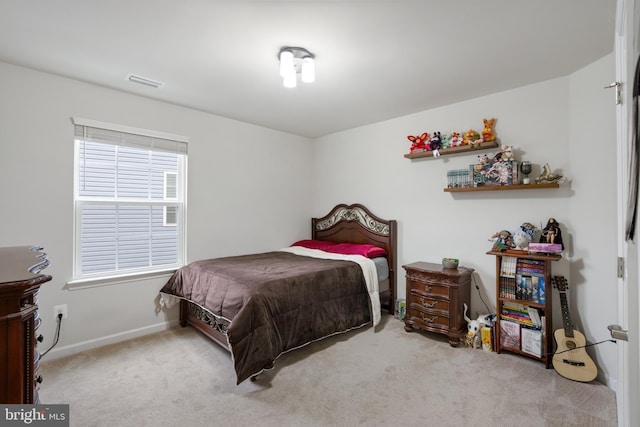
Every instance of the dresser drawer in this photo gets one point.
(431, 289)
(427, 303)
(428, 319)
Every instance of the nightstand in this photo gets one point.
(436, 298)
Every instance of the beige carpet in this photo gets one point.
(386, 378)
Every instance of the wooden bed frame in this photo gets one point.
(345, 223)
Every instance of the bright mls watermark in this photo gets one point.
(35, 415)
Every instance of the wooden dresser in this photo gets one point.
(20, 280)
(436, 298)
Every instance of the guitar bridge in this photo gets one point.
(573, 362)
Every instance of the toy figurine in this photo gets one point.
(505, 155)
(446, 140)
(551, 233)
(435, 144)
(523, 236)
(419, 143)
(483, 160)
(474, 327)
(546, 176)
(487, 133)
(502, 240)
(456, 140)
(470, 137)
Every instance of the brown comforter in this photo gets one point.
(276, 301)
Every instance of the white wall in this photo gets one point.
(236, 171)
(593, 209)
(564, 122)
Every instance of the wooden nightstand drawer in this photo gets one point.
(429, 289)
(427, 303)
(428, 319)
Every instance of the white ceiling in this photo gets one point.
(375, 60)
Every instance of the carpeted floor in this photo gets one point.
(383, 378)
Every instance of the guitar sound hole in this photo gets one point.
(571, 345)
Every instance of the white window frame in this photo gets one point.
(180, 202)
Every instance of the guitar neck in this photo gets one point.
(566, 316)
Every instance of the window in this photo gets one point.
(129, 194)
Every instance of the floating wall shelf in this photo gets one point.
(502, 187)
(452, 150)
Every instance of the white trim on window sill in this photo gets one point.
(84, 283)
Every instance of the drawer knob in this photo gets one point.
(40, 338)
(39, 379)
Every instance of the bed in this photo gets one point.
(259, 306)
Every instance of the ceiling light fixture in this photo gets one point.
(144, 81)
(294, 61)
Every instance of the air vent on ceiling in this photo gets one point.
(144, 81)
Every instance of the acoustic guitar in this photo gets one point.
(571, 359)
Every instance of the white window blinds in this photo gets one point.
(129, 200)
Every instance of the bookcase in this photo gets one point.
(524, 312)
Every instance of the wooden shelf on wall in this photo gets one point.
(524, 254)
(502, 187)
(453, 150)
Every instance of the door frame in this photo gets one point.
(628, 254)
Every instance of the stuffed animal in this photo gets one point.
(446, 140)
(523, 236)
(474, 327)
(470, 137)
(484, 159)
(487, 133)
(419, 143)
(435, 144)
(455, 140)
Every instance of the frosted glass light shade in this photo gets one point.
(286, 63)
(289, 79)
(308, 70)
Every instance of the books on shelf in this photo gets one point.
(534, 315)
(507, 277)
(522, 279)
(509, 334)
(458, 178)
(508, 266)
(532, 341)
(520, 314)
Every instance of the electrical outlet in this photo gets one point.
(60, 309)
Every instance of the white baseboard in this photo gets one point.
(68, 350)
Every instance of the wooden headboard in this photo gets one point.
(356, 224)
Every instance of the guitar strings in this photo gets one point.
(582, 346)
